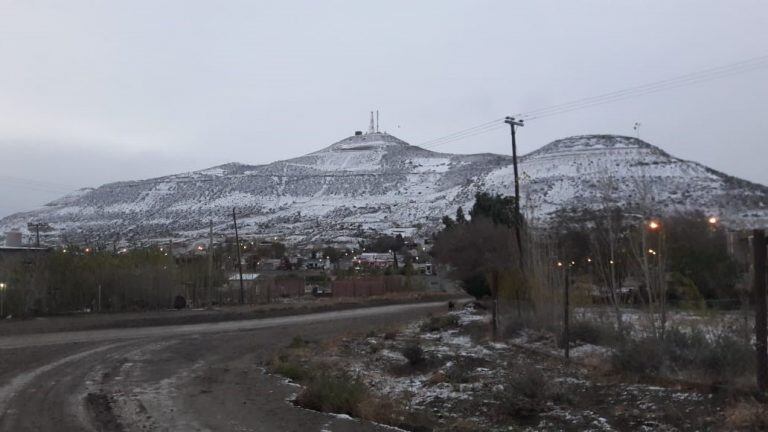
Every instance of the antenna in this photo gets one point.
(637, 129)
(377, 121)
(370, 126)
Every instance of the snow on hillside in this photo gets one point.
(374, 182)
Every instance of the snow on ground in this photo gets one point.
(469, 377)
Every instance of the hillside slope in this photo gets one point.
(375, 182)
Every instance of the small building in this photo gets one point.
(423, 267)
(317, 264)
(375, 260)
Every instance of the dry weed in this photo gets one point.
(748, 415)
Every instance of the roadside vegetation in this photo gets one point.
(460, 378)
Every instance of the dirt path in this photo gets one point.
(195, 377)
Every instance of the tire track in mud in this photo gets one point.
(42, 398)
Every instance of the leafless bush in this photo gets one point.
(333, 393)
(528, 394)
(749, 415)
(414, 354)
(439, 323)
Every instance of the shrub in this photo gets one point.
(530, 382)
(514, 327)
(747, 415)
(438, 323)
(592, 333)
(291, 370)
(297, 342)
(414, 354)
(461, 370)
(642, 356)
(528, 395)
(333, 393)
(728, 358)
(685, 349)
(724, 358)
(179, 302)
(476, 285)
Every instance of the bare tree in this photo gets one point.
(481, 247)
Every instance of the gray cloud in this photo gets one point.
(103, 91)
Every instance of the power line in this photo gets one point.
(668, 84)
(692, 78)
(466, 135)
(461, 132)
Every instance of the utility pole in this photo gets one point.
(761, 314)
(239, 262)
(36, 226)
(210, 259)
(518, 218)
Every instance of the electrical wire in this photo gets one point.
(692, 78)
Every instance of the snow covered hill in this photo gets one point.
(375, 182)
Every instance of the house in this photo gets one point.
(317, 264)
(375, 260)
(423, 267)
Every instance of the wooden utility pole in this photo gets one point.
(518, 218)
(761, 312)
(239, 262)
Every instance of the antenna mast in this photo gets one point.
(370, 125)
(377, 121)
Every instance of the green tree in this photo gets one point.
(460, 218)
(499, 209)
(698, 250)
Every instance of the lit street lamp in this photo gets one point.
(3, 286)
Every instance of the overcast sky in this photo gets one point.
(99, 91)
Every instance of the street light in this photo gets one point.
(654, 225)
(3, 286)
(713, 220)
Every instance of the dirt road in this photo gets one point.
(201, 377)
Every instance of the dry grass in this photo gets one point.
(439, 323)
(748, 415)
(394, 412)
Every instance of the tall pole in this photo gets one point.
(566, 313)
(239, 262)
(210, 259)
(761, 312)
(518, 218)
(36, 226)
